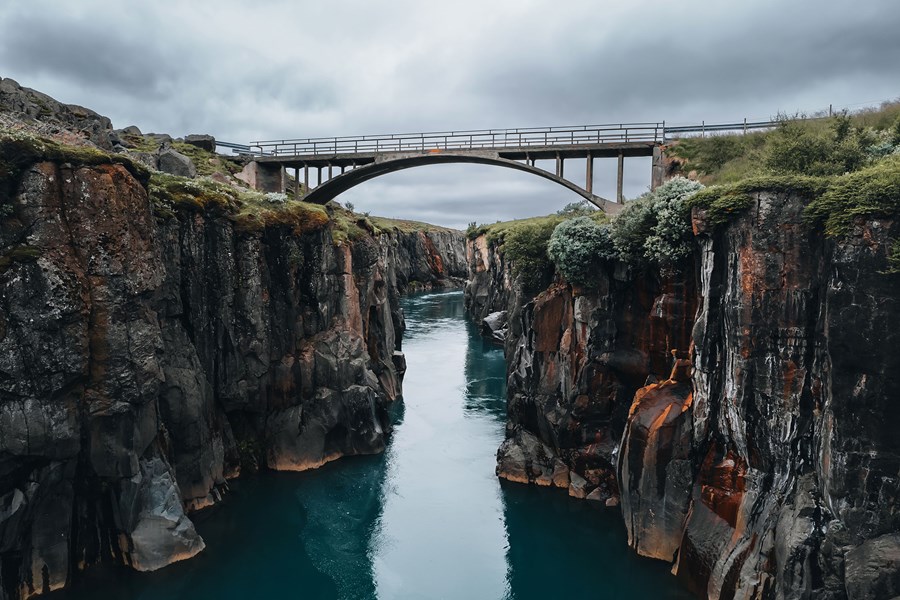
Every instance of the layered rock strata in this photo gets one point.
(145, 359)
(742, 415)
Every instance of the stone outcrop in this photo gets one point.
(575, 360)
(146, 359)
(52, 117)
(741, 414)
(793, 397)
(175, 163)
(202, 141)
(424, 260)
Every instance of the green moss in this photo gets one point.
(893, 259)
(345, 224)
(249, 210)
(18, 254)
(18, 151)
(173, 192)
(874, 191)
(405, 226)
(140, 143)
(207, 163)
(723, 202)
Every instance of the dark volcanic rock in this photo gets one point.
(766, 465)
(576, 358)
(495, 327)
(146, 359)
(56, 116)
(202, 141)
(176, 163)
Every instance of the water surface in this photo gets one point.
(427, 519)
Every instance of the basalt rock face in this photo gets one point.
(144, 360)
(761, 459)
(425, 260)
(575, 360)
(795, 488)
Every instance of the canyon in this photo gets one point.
(156, 343)
(739, 413)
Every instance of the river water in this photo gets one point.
(427, 519)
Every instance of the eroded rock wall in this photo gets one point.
(741, 414)
(145, 360)
(575, 359)
(794, 395)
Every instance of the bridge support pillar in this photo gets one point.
(589, 175)
(297, 182)
(319, 176)
(619, 179)
(306, 176)
(329, 170)
(559, 165)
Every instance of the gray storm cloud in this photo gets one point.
(280, 69)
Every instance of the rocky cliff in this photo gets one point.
(740, 413)
(148, 354)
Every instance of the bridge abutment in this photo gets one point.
(659, 168)
(264, 177)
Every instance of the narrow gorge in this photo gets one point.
(727, 407)
(739, 412)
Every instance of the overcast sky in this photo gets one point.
(245, 71)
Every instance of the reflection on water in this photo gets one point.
(428, 519)
(441, 533)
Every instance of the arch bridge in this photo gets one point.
(341, 163)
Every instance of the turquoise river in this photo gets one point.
(427, 519)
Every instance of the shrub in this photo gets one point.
(656, 228)
(576, 209)
(276, 197)
(797, 148)
(722, 202)
(871, 191)
(578, 247)
(525, 246)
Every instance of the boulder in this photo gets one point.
(160, 138)
(873, 568)
(202, 141)
(176, 163)
(50, 115)
(162, 533)
(494, 326)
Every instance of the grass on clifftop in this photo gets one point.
(874, 191)
(19, 150)
(249, 210)
(406, 226)
(816, 147)
(844, 167)
(524, 241)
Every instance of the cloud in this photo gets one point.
(281, 69)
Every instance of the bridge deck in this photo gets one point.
(350, 159)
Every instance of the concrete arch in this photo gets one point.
(330, 189)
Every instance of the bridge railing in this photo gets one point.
(529, 137)
(465, 140)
